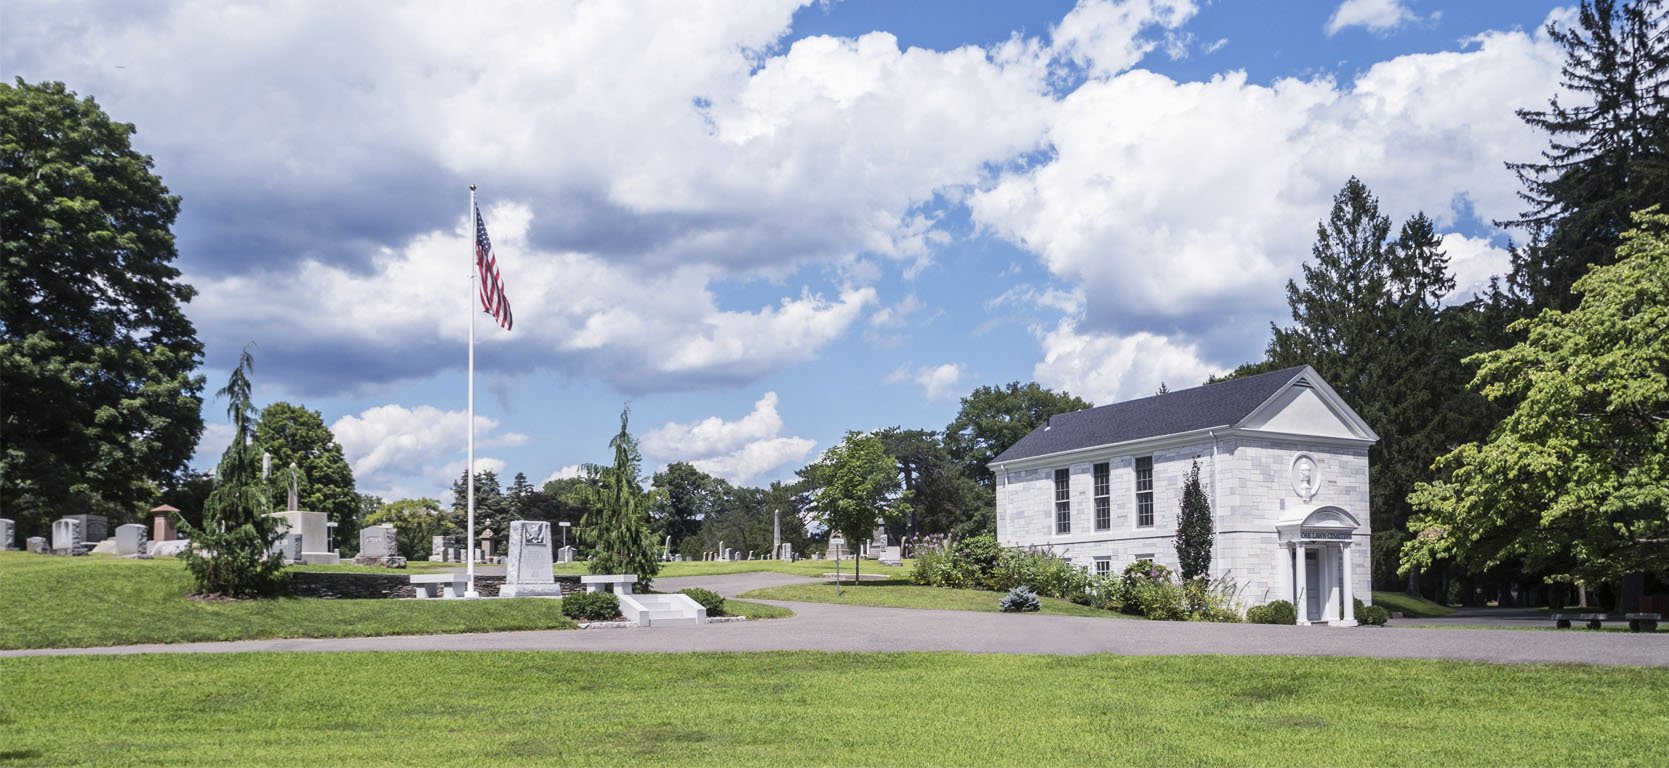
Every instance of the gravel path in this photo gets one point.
(823, 627)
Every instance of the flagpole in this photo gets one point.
(469, 418)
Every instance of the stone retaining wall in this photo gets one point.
(377, 586)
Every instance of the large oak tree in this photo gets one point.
(97, 358)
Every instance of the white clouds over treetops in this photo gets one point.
(741, 451)
(653, 157)
(1108, 368)
(397, 451)
(937, 382)
(1167, 201)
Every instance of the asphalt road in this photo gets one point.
(823, 627)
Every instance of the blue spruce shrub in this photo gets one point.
(1019, 600)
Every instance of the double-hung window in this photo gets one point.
(1063, 501)
(1103, 499)
(1144, 492)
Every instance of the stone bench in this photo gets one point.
(1563, 620)
(618, 583)
(1643, 622)
(440, 585)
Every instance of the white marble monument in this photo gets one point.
(527, 568)
(8, 531)
(66, 537)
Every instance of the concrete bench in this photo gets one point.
(440, 585)
(1643, 622)
(1563, 620)
(618, 583)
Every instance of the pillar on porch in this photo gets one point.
(1349, 594)
(1300, 582)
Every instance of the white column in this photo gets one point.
(1300, 582)
(1349, 596)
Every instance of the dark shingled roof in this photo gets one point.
(1185, 410)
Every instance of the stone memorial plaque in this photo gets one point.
(527, 566)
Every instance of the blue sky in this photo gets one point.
(764, 224)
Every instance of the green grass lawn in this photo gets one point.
(1412, 607)
(897, 594)
(798, 568)
(754, 611)
(534, 708)
(60, 602)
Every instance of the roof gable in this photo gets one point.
(1222, 405)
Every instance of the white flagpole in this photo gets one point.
(469, 466)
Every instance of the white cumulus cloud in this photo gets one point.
(1107, 368)
(937, 382)
(741, 451)
(398, 451)
(1375, 15)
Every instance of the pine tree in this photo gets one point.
(1194, 532)
(231, 554)
(1608, 156)
(619, 531)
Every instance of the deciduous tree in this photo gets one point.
(856, 487)
(97, 359)
(1572, 481)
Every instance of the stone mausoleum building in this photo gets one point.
(1284, 463)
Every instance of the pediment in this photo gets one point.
(1307, 406)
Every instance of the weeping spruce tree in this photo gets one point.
(618, 531)
(1193, 528)
(230, 555)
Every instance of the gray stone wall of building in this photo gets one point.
(1254, 493)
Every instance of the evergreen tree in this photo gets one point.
(492, 508)
(1368, 318)
(1194, 532)
(1608, 155)
(231, 553)
(103, 405)
(619, 531)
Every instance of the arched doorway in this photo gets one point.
(1318, 560)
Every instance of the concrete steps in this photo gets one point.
(655, 610)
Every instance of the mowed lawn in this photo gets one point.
(61, 602)
(894, 594)
(533, 708)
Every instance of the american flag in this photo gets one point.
(493, 300)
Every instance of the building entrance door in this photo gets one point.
(1312, 585)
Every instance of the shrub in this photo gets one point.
(1373, 616)
(1278, 612)
(1042, 572)
(707, 598)
(1356, 602)
(591, 606)
(1210, 600)
(1106, 592)
(1139, 576)
(1019, 600)
(1160, 600)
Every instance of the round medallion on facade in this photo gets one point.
(1306, 476)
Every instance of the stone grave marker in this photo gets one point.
(66, 536)
(378, 546)
(527, 566)
(132, 539)
(8, 530)
(565, 554)
(94, 528)
(37, 545)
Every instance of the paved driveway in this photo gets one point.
(822, 627)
